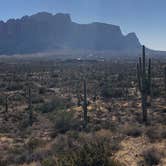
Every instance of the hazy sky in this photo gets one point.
(145, 17)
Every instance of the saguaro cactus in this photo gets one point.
(85, 105)
(6, 107)
(165, 80)
(30, 106)
(144, 82)
(6, 104)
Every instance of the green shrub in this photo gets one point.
(42, 90)
(89, 154)
(54, 105)
(14, 86)
(108, 91)
(152, 156)
(156, 133)
(133, 131)
(32, 144)
(37, 99)
(73, 134)
(48, 162)
(65, 121)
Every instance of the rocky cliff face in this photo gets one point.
(44, 31)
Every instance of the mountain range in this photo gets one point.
(47, 32)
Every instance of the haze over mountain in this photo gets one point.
(46, 32)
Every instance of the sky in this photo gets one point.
(147, 18)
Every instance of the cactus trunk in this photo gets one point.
(85, 105)
(6, 107)
(144, 83)
(165, 80)
(30, 106)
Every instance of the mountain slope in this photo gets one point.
(45, 32)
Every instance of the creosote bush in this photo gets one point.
(48, 162)
(108, 92)
(152, 156)
(89, 154)
(133, 131)
(53, 105)
(65, 121)
(155, 133)
(86, 149)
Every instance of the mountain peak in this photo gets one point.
(41, 16)
(45, 16)
(106, 25)
(45, 31)
(132, 41)
(131, 35)
(63, 17)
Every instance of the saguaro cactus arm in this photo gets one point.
(149, 78)
(138, 77)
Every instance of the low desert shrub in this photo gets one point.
(48, 162)
(65, 121)
(53, 105)
(152, 156)
(155, 133)
(133, 131)
(33, 143)
(37, 99)
(89, 154)
(108, 92)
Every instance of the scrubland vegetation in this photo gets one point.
(82, 113)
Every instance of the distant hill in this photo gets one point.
(46, 32)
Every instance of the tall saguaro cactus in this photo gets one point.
(85, 105)
(144, 81)
(30, 106)
(165, 80)
(6, 107)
